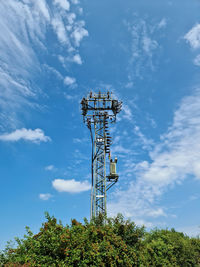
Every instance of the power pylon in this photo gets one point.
(98, 110)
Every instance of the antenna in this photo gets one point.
(98, 110)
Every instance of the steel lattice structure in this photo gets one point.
(98, 110)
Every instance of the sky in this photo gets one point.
(52, 54)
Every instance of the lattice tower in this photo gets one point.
(98, 110)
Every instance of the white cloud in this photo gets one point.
(156, 213)
(35, 136)
(70, 97)
(145, 142)
(52, 70)
(79, 33)
(49, 168)
(25, 28)
(178, 154)
(77, 140)
(197, 60)
(77, 59)
(75, 2)
(69, 81)
(121, 150)
(126, 112)
(172, 160)
(193, 37)
(143, 46)
(63, 3)
(70, 186)
(60, 30)
(71, 17)
(162, 23)
(42, 7)
(149, 45)
(129, 85)
(45, 196)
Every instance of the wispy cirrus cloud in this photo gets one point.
(63, 4)
(162, 24)
(193, 37)
(70, 81)
(50, 168)
(45, 197)
(197, 60)
(145, 142)
(173, 159)
(143, 46)
(35, 136)
(25, 29)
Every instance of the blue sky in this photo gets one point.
(52, 53)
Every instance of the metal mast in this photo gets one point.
(98, 110)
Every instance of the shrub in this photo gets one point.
(101, 242)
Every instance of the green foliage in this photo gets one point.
(170, 248)
(101, 242)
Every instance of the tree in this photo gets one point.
(101, 242)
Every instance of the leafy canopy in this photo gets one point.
(101, 242)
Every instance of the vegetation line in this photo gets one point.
(101, 242)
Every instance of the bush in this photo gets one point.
(101, 242)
